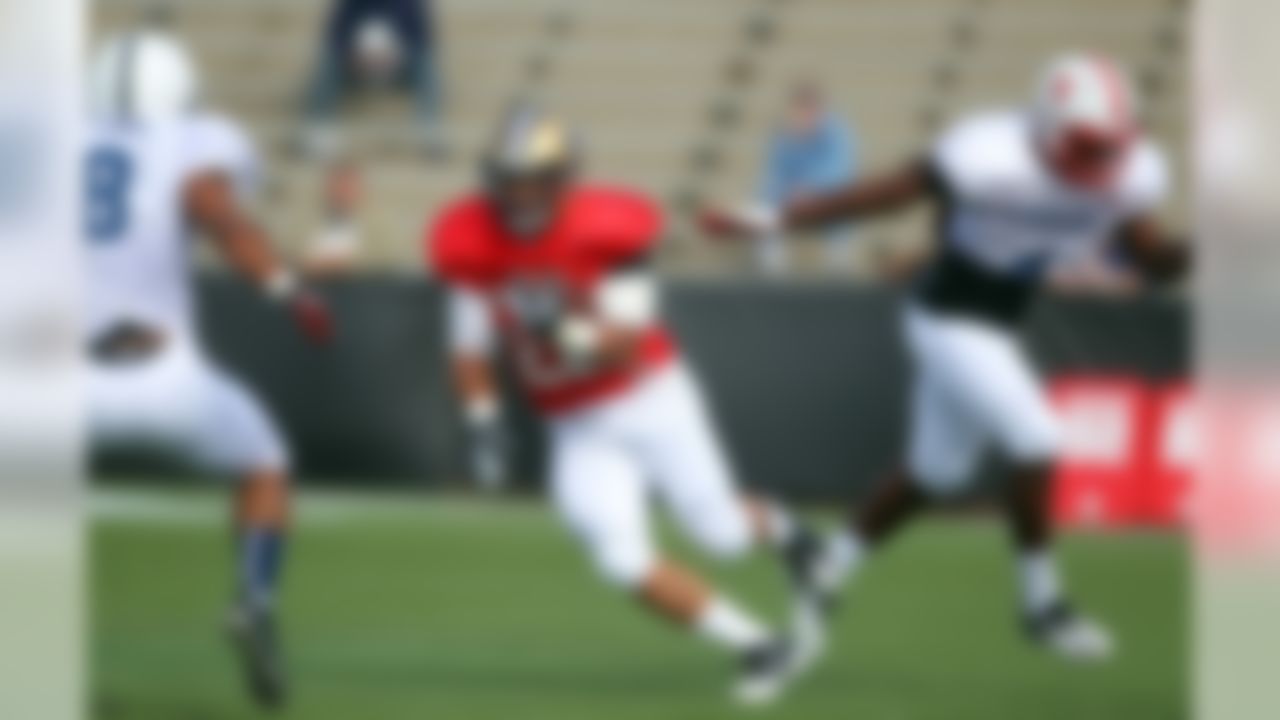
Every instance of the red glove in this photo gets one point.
(313, 318)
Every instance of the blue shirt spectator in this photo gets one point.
(812, 151)
(808, 163)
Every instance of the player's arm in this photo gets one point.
(470, 346)
(213, 207)
(1157, 256)
(610, 328)
(869, 197)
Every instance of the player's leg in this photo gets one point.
(240, 440)
(600, 491)
(678, 445)
(1025, 429)
(944, 442)
(142, 404)
(260, 521)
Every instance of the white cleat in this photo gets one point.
(1071, 636)
(808, 633)
(811, 600)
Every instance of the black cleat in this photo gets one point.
(766, 671)
(812, 603)
(257, 643)
(802, 555)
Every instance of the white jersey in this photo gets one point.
(1006, 218)
(139, 243)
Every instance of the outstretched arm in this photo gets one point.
(213, 207)
(876, 195)
(869, 197)
(1158, 257)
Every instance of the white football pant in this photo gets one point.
(181, 406)
(656, 437)
(974, 388)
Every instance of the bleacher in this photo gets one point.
(675, 96)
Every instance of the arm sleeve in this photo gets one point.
(1150, 184)
(469, 326)
(215, 144)
(940, 161)
(628, 298)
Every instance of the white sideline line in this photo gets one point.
(163, 507)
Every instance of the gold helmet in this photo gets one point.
(528, 165)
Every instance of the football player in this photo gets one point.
(157, 171)
(1017, 192)
(558, 270)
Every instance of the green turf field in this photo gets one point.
(414, 607)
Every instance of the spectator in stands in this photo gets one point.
(337, 248)
(372, 44)
(811, 152)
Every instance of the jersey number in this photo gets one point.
(108, 175)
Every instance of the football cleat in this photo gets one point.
(765, 672)
(256, 639)
(811, 603)
(1066, 633)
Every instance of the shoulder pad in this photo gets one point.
(618, 222)
(215, 143)
(457, 246)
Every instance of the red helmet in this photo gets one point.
(1085, 119)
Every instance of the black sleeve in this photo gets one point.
(936, 180)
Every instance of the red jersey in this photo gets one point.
(596, 230)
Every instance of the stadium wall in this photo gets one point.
(807, 380)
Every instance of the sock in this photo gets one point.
(1038, 581)
(726, 624)
(841, 559)
(779, 526)
(261, 559)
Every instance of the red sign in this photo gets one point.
(1106, 427)
(1166, 489)
(1129, 451)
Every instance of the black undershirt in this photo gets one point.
(955, 285)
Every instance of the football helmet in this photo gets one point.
(143, 76)
(1084, 118)
(529, 164)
